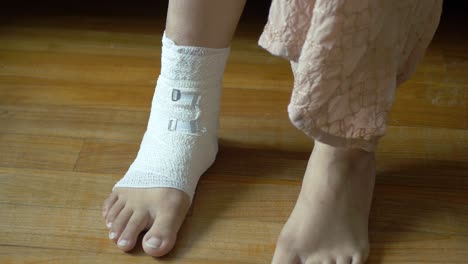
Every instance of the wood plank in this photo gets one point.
(106, 157)
(429, 105)
(380, 254)
(78, 229)
(29, 255)
(273, 130)
(55, 188)
(75, 94)
(128, 70)
(235, 190)
(80, 41)
(75, 122)
(427, 145)
(427, 91)
(414, 107)
(200, 238)
(71, 119)
(19, 92)
(39, 152)
(107, 41)
(399, 207)
(404, 254)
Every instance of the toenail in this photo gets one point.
(112, 235)
(109, 225)
(153, 242)
(123, 242)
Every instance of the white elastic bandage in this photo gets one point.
(181, 142)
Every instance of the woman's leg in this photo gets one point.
(203, 23)
(180, 142)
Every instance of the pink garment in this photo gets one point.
(348, 57)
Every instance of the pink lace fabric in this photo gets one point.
(348, 57)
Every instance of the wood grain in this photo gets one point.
(75, 95)
(41, 152)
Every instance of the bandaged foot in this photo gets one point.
(180, 144)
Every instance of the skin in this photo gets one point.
(329, 222)
(203, 23)
(129, 211)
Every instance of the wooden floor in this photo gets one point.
(75, 96)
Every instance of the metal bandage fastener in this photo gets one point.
(176, 95)
(186, 97)
(183, 126)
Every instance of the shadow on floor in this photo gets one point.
(414, 205)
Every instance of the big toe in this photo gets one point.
(158, 245)
(161, 237)
(285, 256)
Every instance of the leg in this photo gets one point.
(203, 23)
(156, 191)
(329, 222)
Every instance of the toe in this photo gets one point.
(315, 261)
(137, 222)
(119, 224)
(327, 261)
(358, 259)
(161, 237)
(321, 259)
(285, 257)
(344, 260)
(285, 252)
(114, 212)
(111, 199)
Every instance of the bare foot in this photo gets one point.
(329, 223)
(129, 211)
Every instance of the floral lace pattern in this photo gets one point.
(348, 57)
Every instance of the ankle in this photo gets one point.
(346, 154)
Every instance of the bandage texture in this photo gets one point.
(180, 142)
